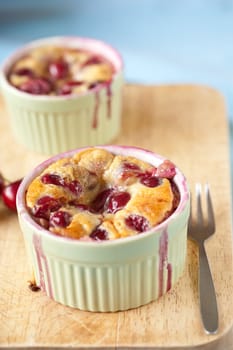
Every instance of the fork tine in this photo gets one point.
(211, 220)
(199, 206)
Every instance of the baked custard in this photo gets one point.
(55, 70)
(97, 195)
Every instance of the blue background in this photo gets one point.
(162, 41)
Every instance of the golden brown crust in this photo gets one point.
(65, 70)
(96, 160)
(119, 174)
(95, 72)
(104, 192)
(152, 203)
(37, 189)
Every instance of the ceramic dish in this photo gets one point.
(109, 275)
(53, 124)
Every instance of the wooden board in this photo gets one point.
(187, 124)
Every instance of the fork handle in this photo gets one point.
(208, 302)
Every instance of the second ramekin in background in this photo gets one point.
(54, 124)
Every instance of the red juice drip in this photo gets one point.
(96, 110)
(109, 99)
(163, 263)
(169, 276)
(42, 258)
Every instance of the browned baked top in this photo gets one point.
(98, 195)
(54, 70)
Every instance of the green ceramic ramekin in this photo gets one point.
(109, 275)
(54, 124)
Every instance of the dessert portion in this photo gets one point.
(54, 70)
(97, 195)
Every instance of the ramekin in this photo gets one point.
(112, 275)
(54, 124)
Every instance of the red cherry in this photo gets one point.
(166, 170)
(47, 200)
(99, 234)
(58, 69)
(117, 201)
(36, 86)
(131, 166)
(45, 205)
(129, 170)
(52, 179)
(60, 218)
(74, 83)
(99, 202)
(137, 223)
(93, 60)
(74, 187)
(24, 71)
(150, 181)
(9, 193)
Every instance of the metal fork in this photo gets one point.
(200, 230)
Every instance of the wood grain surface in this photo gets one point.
(186, 124)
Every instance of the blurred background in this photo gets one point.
(161, 41)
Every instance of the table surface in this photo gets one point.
(188, 125)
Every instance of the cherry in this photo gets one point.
(93, 60)
(45, 205)
(137, 222)
(99, 234)
(129, 170)
(47, 200)
(74, 83)
(74, 186)
(58, 69)
(150, 181)
(24, 72)
(9, 193)
(99, 202)
(36, 86)
(52, 179)
(109, 200)
(60, 218)
(116, 201)
(166, 170)
(131, 166)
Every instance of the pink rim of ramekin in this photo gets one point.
(66, 41)
(179, 179)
